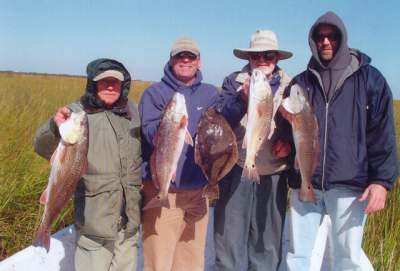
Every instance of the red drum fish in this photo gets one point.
(168, 141)
(69, 164)
(215, 150)
(305, 134)
(259, 116)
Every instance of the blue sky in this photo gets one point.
(62, 37)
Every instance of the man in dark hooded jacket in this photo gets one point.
(107, 198)
(357, 161)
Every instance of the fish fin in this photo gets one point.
(53, 157)
(43, 198)
(188, 138)
(153, 203)
(153, 171)
(296, 163)
(184, 122)
(260, 110)
(211, 191)
(62, 150)
(197, 158)
(157, 202)
(228, 165)
(42, 238)
(307, 193)
(173, 177)
(250, 174)
(244, 144)
(155, 138)
(165, 203)
(85, 168)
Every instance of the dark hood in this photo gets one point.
(94, 68)
(342, 58)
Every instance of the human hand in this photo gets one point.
(281, 149)
(285, 113)
(61, 116)
(244, 93)
(377, 198)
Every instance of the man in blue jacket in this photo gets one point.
(357, 161)
(174, 239)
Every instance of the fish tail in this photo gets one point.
(211, 191)
(42, 238)
(157, 201)
(307, 194)
(250, 174)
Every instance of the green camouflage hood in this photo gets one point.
(98, 66)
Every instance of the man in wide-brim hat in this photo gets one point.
(249, 217)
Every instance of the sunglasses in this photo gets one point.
(257, 55)
(331, 37)
(182, 55)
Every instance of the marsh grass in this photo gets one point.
(27, 101)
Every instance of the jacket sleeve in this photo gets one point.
(46, 139)
(383, 160)
(150, 110)
(230, 104)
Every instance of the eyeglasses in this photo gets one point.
(267, 55)
(182, 55)
(331, 37)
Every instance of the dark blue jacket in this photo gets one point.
(199, 96)
(357, 137)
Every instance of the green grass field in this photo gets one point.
(27, 101)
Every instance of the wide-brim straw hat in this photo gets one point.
(262, 40)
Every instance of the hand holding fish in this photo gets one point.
(377, 198)
(244, 93)
(61, 116)
(281, 149)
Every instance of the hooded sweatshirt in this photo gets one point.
(198, 96)
(335, 70)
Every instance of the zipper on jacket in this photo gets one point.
(325, 140)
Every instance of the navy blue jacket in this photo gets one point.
(357, 137)
(198, 96)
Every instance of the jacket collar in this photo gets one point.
(121, 108)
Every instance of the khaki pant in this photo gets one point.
(98, 254)
(174, 239)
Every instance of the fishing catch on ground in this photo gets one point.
(305, 134)
(215, 150)
(259, 116)
(168, 141)
(69, 164)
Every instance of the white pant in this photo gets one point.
(348, 220)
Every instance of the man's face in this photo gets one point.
(328, 41)
(184, 66)
(265, 61)
(109, 90)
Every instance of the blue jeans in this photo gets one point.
(348, 220)
(248, 222)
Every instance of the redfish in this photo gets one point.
(69, 164)
(168, 141)
(305, 134)
(259, 116)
